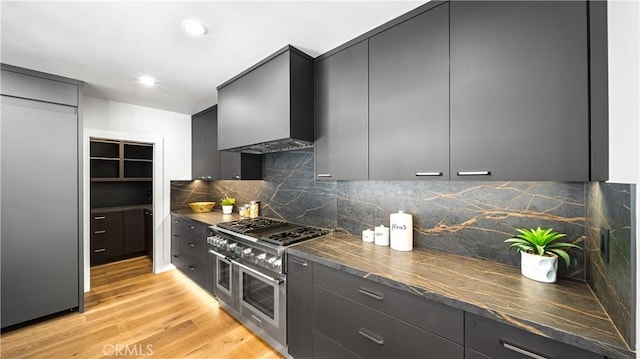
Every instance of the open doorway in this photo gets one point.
(121, 200)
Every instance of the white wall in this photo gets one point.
(171, 134)
(624, 104)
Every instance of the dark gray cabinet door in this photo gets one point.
(39, 186)
(205, 158)
(133, 231)
(236, 165)
(409, 99)
(148, 232)
(341, 146)
(519, 90)
(299, 307)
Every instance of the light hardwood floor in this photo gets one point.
(131, 312)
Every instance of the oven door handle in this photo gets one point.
(216, 254)
(253, 271)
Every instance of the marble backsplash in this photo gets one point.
(611, 206)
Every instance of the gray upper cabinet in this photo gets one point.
(519, 90)
(205, 158)
(341, 147)
(409, 99)
(240, 166)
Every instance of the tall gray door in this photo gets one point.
(39, 210)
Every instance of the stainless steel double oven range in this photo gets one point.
(250, 278)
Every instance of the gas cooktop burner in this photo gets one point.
(251, 225)
(272, 231)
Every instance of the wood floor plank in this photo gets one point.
(135, 313)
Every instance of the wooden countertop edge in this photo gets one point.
(611, 350)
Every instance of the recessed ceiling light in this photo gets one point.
(194, 27)
(147, 80)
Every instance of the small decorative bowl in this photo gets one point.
(199, 207)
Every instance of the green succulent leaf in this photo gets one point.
(541, 241)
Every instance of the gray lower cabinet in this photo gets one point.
(205, 158)
(299, 301)
(148, 232)
(342, 102)
(500, 341)
(189, 248)
(520, 90)
(40, 184)
(409, 99)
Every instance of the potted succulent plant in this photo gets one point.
(539, 251)
(227, 204)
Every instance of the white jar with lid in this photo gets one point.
(401, 231)
(382, 235)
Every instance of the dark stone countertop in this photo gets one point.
(121, 208)
(567, 311)
(210, 218)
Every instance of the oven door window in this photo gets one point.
(260, 294)
(223, 275)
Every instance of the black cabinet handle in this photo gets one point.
(191, 268)
(191, 244)
(428, 174)
(304, 264)
(521, 351)
(474, 173)
(175, 256)
(374, 338)
(99, 217)
(102, 231)
(371, 294)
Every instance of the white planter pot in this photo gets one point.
(227, 209)
(540, 268)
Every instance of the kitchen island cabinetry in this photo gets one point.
(409, 99)
(205, 158)
(520, 91)
(342, 119)
(189, 248)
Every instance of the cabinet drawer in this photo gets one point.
(501, 341)
(372, 334)
(175, 256)
(434, 317)
(102, 249)
(194, 246)
(111, 230)
(324, 347)
(184, 226)
(193, 268)
(102, 218)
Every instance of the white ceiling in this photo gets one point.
(109, 44)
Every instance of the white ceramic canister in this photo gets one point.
(368, 235)
(382, 235)
(401, 225)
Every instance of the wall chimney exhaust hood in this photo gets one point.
(268, 107)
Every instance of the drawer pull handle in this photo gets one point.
(191, 268)
(325, 175)
(175, 221)
(100, 250)
(192, 227)
(371, 294)
(474, 173)
(102, 231)
(428, 174)
(175, 256)
(521, 351)
(97, 218)
(297, 261)
(371, 337)
(256, 319)
(191, 244)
